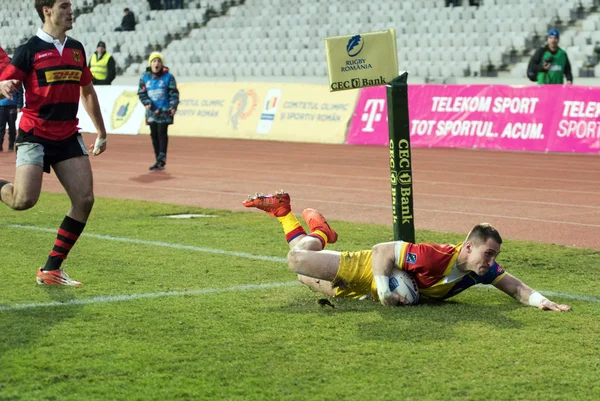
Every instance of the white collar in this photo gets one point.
(454, 274)
(46, 37)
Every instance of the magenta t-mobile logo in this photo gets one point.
(372, 114)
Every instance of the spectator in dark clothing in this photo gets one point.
(171, 4)
(128, 21)
(457, 3)
(154, 4)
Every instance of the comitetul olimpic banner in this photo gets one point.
(266, 111)
(531, 118)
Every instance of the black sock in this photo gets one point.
(68, 233)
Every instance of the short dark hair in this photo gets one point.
(126, 10)
(484, 231)
(39, 7)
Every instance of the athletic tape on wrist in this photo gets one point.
(383, 287)
(98, 144)
(536, 299)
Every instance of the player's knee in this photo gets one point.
(22, 200)
(24, 203)
(305, 280)
(85, 203)
(294, 259)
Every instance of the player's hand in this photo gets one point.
(553, 306)
(394, 299)
(546, 65)
(148, 107)
(172, 112)
(99, 146)
(9, 87)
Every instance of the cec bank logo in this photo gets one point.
(355, 45)
(123, 108)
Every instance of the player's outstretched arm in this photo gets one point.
(526, 295)
(92, 107)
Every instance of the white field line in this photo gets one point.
(157, 243)
(132, 297)
(247, 287)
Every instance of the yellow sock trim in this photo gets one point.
(321, 235)
(289, 222)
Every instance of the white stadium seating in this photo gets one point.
(285, 38)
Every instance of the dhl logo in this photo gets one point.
(63, 75)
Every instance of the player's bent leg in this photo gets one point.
(24, 192)
(319, 228)
(75, 175)
(321, 265)
(317, 285)
(277, 204)
(307, 243)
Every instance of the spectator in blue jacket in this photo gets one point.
(158, 93)
(8, 115)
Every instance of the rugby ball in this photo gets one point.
(404, 285)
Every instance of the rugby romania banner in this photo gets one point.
(361, 60)
(276, 111)
(121, 109)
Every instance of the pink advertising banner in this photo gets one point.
(531, 118)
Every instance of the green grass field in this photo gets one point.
(206, 309)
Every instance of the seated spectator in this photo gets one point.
(154, 4)
(172, 4)
(128, 21)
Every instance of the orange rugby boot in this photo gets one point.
(277, 204)
(55, 277)
(316, 221)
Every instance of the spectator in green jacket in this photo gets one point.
(550, 64)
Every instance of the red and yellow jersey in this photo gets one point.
(52, 74)
(434, 268)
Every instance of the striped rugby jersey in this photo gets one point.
(52, 74)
